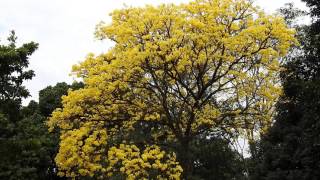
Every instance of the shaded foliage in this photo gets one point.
(214, 159)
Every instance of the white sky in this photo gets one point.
(64, 29)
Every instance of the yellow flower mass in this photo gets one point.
(175, 72)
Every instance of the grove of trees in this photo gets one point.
(27, 149)
(172, 99)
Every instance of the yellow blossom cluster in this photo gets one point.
(152, 163)
(82, 149)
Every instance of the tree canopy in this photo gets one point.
(176, 73)
(19, 152)
(13, 63)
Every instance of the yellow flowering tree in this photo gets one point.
(175, 72)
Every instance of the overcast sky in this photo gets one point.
(64, 29)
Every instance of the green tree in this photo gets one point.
(13, 63)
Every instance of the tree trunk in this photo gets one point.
(186, 159)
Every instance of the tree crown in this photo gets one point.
(175, 73)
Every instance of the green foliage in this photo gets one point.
(13, 63)
(27, 153)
